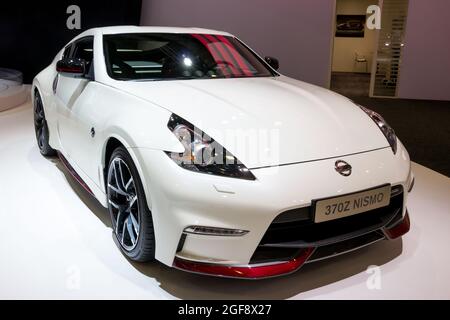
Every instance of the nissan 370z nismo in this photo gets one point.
(211, 161)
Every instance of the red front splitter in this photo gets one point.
(248, 272)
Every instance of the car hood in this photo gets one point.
(267, 121)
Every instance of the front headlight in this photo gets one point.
(203, 154)
(384, 127)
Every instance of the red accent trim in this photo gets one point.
(73, 173)
(214, 52)
(69, 69)
(242, 64)
(250, 272)
(400, 229)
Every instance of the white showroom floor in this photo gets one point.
(55, 242)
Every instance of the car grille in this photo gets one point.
(295, 229)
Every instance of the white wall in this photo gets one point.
(344, 48)
(297, 32)
(425, 65)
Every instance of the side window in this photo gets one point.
(67, 51)
(84, 49)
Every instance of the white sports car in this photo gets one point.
(212, 162)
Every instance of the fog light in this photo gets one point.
(212, 231)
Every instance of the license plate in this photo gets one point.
(350, 204)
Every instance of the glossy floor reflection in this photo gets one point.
(55, 242)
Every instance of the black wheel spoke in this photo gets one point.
(41, 139)
(123, 204)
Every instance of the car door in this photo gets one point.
(73, 98)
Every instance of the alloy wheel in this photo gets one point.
(39, 122)
(123, 204)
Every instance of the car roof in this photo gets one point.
(148, 29)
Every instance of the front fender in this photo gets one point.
(123, 139)
(139, 123)
(134, 122)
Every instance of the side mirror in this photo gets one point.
(75, 66)
(273, 62)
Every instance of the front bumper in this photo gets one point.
(179, 198)
(304, 255)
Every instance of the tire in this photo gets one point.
(131, 219)
(41, 127)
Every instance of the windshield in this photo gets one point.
(158, 56)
